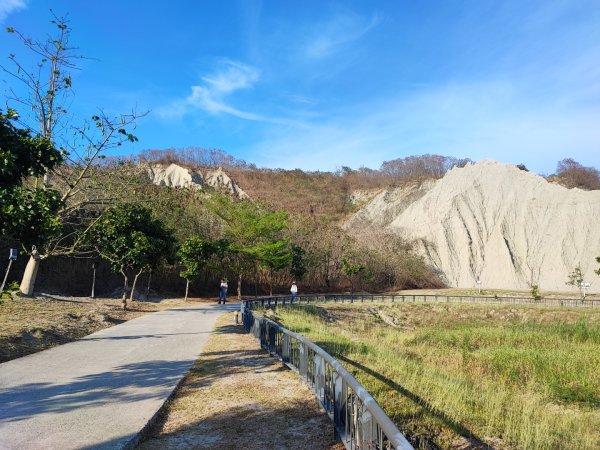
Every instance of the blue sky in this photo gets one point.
(318, 85)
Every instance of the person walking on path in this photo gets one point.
(223, 292)
(294, 290)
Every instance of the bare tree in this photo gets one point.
(45, 105)
(571, 174)
(421, 167)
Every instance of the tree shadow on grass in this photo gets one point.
(475, 442)
(28, 342)
(43, 296)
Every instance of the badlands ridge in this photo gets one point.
(493, 222)
(173, 175)
(488, 221)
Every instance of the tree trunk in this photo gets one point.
(28, 281)
(134, 283)
(148, 286)
(93, 281)
(239, 286)
(255, 283)
(187, 286)
(124, 298)
(270, 282)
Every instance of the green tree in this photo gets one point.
(535, 292)
(130, 239)
(194, 254)
(298, 262)
(576, 278)
(351, 267)
(44, 105)
(272, 255)
(597, 271)
(251, 232)
(28, 214)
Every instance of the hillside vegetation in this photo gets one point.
(458, 376)
(298, 191)
(324, 192)
(315, 204)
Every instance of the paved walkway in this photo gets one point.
(101, 391)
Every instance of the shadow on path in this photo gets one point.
(122, 384)
(142, 336)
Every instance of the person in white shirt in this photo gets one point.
(223, 292)
(294, 290)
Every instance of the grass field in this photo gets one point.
(467, 376)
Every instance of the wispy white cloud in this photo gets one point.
(231, 77)
(8, 7)
(337, 33)
(212, 96)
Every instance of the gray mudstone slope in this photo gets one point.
(493, 222)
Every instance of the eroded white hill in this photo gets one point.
(493, 222)
(173, 175)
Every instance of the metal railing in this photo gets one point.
(358, 419)
(426, 298)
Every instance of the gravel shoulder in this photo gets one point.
(237, 396)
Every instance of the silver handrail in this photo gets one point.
(358, 419)
(424, 298)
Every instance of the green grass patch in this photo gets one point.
(456, 375)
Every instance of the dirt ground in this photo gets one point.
(237, 396)
(29, 325)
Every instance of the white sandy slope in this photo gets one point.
(381, 208)
(220, 181)
(174, 175)
(507, 227)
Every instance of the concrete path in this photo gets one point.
(101, 391)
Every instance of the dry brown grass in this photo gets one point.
(507, 376)
(498, 292)
(318, 193)
(237, 396)
(29, 325)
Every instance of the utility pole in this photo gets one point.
(12, 256)
(94, 264)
